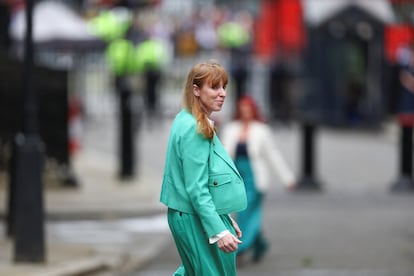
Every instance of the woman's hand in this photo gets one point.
(228, 243)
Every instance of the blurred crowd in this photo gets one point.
(287, 36)
(187, 27)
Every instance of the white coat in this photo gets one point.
(262, 150)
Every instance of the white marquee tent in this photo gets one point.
(52, 21)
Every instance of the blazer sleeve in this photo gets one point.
(196, 150)
(275, 158)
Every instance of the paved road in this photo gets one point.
(327, 235)
(355, 227)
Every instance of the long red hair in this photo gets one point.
(248, 100)
(209, 72)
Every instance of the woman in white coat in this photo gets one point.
(250, 143)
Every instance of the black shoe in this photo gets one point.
(260, 249)
(259, 254)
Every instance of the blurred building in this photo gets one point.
(345, 62)
(332, 61)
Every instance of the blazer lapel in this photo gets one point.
(222, 153)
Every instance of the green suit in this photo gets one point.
(201, 185)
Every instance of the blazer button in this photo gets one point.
(215, 183)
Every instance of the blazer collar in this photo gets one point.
(222, 153)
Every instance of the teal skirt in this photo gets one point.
(249, 220)
(198, 256)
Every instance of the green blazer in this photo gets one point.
(199, 176)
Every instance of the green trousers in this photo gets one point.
(199, 258)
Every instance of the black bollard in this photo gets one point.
(126, 138)
(29, 241)
(308, 181)
(405, 181)
(10, 214)
(28, 229)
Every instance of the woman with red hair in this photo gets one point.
(249, 141)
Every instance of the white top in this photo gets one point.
(262, 150)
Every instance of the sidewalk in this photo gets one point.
(100, 196)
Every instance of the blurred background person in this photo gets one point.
(250, 143)
(235, 34)
(406, 76)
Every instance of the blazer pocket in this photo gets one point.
(225, 191)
